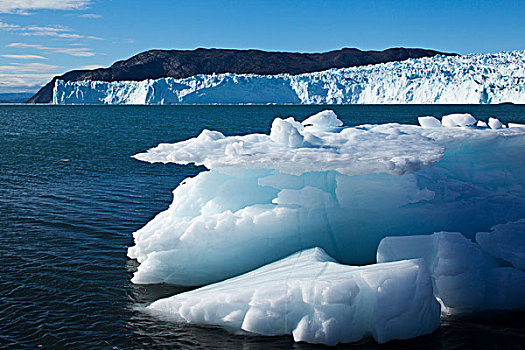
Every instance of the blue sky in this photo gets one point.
(43, 38)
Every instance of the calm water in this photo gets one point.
(70, 197)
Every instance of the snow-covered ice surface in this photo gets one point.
(477, 78)
(341, 189)
(317, 300)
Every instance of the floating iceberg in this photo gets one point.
(318, 184)
(478, 78)
(317, 300)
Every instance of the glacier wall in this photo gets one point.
(471, 79)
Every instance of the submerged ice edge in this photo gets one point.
(472, 79)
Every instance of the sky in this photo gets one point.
(40, 39)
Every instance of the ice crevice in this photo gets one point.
(279, 218)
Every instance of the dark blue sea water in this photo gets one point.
(71, 196)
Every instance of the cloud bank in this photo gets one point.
(23, 7)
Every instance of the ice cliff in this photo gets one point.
(449, 192)
(476, 78)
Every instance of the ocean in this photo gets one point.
(71, 197)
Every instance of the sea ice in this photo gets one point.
(458, 119)
(286, 133)
(429, 122)
(310, 296)
(495, 123)
(465, 277)
(516, 125)
(323, 120)
(341, 189)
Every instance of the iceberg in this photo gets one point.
(471, 79)
(313, 298)
(320, 184)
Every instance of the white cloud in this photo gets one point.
(72, 51)
(91, 66)
(24, 57)
(54, 31)
(89, 15)
(48, 29)
(28, 68)
(25, 46)
(23, 81)
(8, 27)
(25, 76)
(24, 6)
(77, 51)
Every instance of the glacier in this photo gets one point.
(468, 79)
(435, 211)
(313, 298)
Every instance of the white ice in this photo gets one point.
(473, 79)
(465, 277)
(311, 297)
(495, 123)
(516, 125)
(429, 122)
(341, 189)
(458, 119)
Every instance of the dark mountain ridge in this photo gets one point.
(155, 64)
